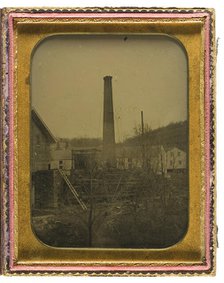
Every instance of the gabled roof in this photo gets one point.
(42, 126)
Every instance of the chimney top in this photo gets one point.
(107, 77)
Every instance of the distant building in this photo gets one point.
(41, 140)
(156, 159)
(75, 158)
(86, 158)
(176, 160)
(128, 157)
(132, 157)
(61, 158)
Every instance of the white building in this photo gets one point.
(134, 157)
(176, 160)
(61, 158)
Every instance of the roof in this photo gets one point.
(61, 154)
(42, 126)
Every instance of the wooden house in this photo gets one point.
(41, 140)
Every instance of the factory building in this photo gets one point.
(56, 164)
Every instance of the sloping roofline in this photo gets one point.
(42, 126)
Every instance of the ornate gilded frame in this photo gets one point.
(22, 253)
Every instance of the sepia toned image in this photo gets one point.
(109, 141)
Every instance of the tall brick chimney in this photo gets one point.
(108, 123)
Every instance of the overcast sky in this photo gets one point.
(149, 73)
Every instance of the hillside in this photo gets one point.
(172, 135)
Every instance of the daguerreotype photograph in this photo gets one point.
(109, 141)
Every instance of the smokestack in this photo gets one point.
(108, 123)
